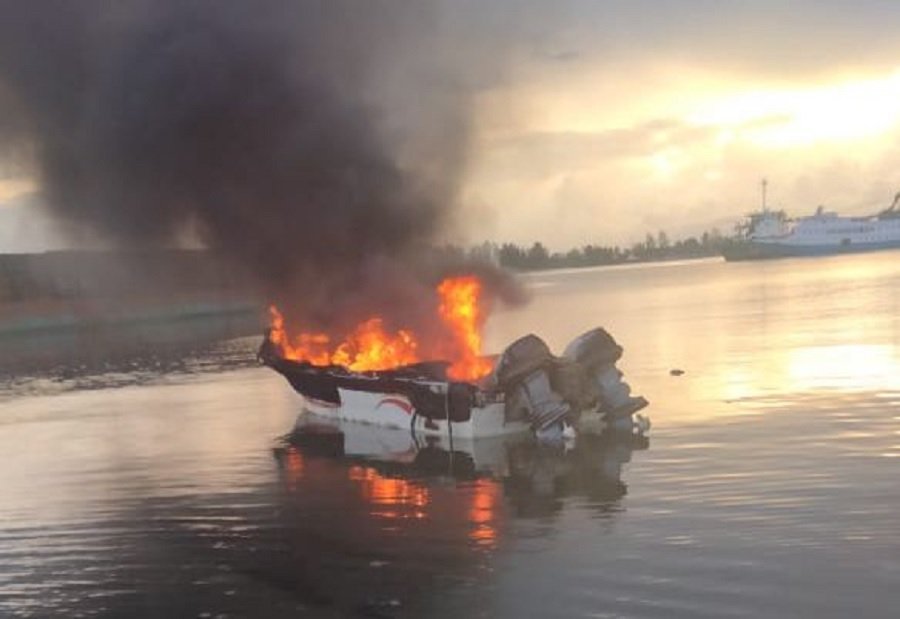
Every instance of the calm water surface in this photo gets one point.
(768, 488)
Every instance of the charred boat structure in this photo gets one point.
(529, 388)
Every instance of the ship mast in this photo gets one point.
(763, 185)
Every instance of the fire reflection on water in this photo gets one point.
(390, 497)
(395, 498)
(483, 513)
(294, 467)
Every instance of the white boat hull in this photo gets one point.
(391, 410)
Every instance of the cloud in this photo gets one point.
(767, 36)
(570, 188)
(596, 140)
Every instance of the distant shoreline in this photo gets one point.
(76, 290)
(624, 265)
(536, 257)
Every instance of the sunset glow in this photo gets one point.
(601, 153)
(784, 118)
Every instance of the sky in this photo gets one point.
(613, 119)
(641, 116)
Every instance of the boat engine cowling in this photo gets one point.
(596, 352)
(523, 374)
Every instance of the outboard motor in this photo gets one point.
(522, 373)
(596, 352)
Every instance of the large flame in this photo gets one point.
(370, 346)
(461, 312)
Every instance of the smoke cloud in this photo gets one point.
(316, 143)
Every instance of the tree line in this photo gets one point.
(653, 248)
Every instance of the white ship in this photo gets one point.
(772, 234)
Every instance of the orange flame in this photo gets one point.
(312, 347)
(368, 347)
(371, 347)
(461, 311)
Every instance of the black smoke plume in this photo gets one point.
(315, 143)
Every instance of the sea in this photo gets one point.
(184, 481)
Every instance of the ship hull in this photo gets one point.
(750, 250)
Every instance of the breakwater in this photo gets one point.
(77, 289)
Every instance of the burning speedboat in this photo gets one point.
(526, 388)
